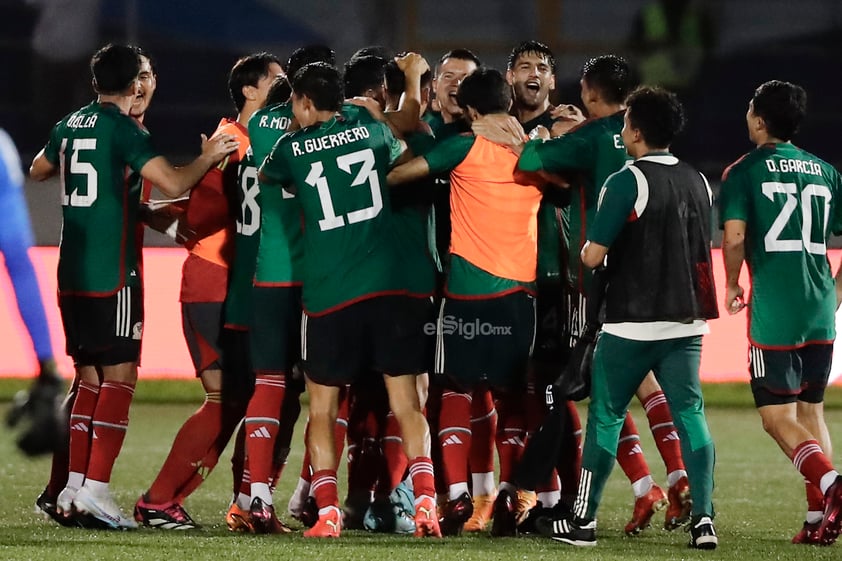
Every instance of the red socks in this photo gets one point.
(262, 423)
(629, 453)
(81, 416)
(663, 430)
(109, 424)
(196, 436)
(455, 436)
(809, 459)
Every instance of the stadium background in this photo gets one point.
(195, 42)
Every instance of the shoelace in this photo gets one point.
(177, 514)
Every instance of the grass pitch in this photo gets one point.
(759, 499)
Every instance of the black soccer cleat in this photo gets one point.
(702, 533)
(454, 515)
(505, 515)
(573, 531)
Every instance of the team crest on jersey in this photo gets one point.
(137, 331)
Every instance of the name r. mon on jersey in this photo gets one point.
(798, 166)
(330, 141)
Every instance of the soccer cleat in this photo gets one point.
(680, 504)
(644, 507)
(103, 508)
(505, 515)
(403, 506)
(573, 531)
(702, 533)
(379, 517)
(329, 524)
(47, 505)
(526, 500)
(263, 519)
(238, 519)
(454, 515)
(832, 520)
(309, 514)
(64, 501)
(809, 534)
(169, 516)
(426, 518)
(483, 510)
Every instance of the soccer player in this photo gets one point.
(594, 150)
(353, 320)
(490, 285)
(46, 430)
(411, 207)
(204, 284)
(147, 82)
(653, 223)
(98, 278)
(778, 206)
(274, 314)
(531, 74)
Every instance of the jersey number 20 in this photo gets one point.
(773, 241)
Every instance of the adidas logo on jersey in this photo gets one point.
(451, 441)
(261, 432)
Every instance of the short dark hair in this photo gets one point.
(461, 54)
(486, 90)
(144, 53)
(303, 56)
(372, 50)
(611, 75)
(364, 73)
(657, 114)
(320, 82)
(782, 106)
(279, 91)
(395, 79)
(114, 68)
(535, 47)
(248, 71)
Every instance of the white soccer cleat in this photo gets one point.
(64, 501)
(103, 508)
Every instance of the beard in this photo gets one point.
(527, 98)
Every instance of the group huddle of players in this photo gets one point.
(349, 234)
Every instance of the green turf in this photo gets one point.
(190, 391)
(759, 498)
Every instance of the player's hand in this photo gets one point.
(412, 64)
(734, 301)
(370, 104)
(499, 128)
(219, 146)
(567, 112)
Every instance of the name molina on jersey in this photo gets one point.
(798, 166)
(329, 141)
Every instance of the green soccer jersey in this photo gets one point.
(790, 202)
(338, 171)
(553, 221)
(592, 152)
(278, 223)
(94, 148)
(411, 228)
(238, 299)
